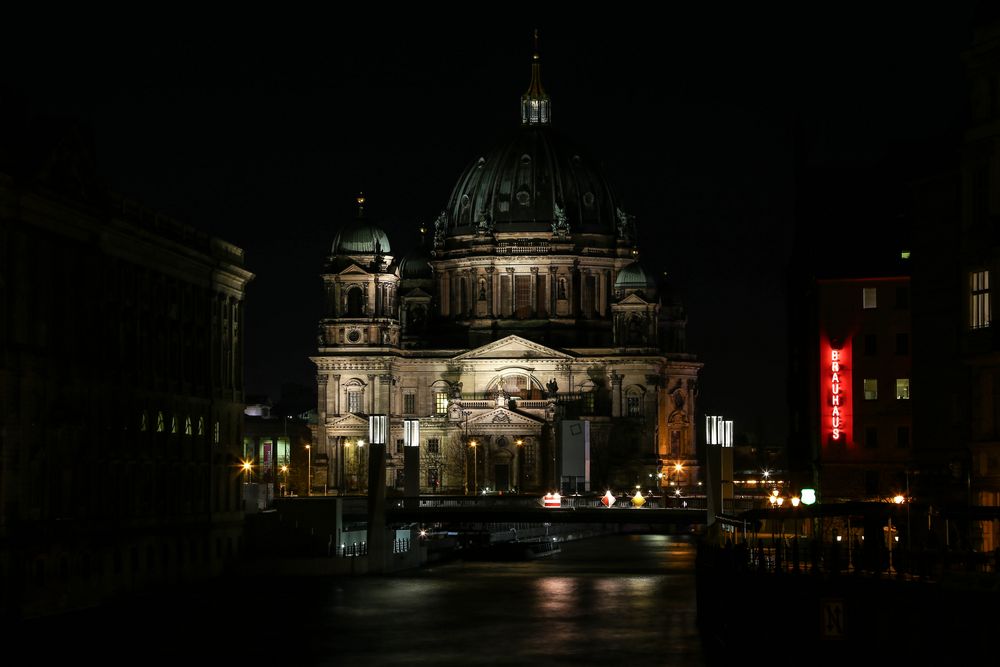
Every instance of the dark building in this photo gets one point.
(951, 226)
(121, 387)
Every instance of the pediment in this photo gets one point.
(349, 421)
(353, 270)
(501, 417)
(416, 293)
(513, 347)
(633, 300)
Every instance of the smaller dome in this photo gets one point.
(360, 237)
(416, 265)
(634, 276)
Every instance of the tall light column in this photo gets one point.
(719, 460)
(411, 462)
(377, 432)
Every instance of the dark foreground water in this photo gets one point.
(618, 600)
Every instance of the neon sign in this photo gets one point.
(835, 393)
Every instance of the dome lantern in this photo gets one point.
(535, 104)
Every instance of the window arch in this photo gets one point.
(355, 390)
(355, 302)
(634, 401)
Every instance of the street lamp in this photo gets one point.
(357, 464)
(284, 489)
(309, 470)
(475, 469)
(521, 474)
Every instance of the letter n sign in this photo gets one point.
(832, 611)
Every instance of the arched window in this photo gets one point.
(355, 302)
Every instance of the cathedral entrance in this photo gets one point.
(501, 475)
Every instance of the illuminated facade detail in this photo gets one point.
(979, 300)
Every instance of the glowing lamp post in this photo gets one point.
(309, 470)
(378, 430)
(475, 468)
(719, 438)
(411, 462)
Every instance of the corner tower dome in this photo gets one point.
(361, 237)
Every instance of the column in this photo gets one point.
(336, 394)
(616, 394)
(602, 288)
(490, 271)
(444, 296)
(321, 393)
(553, 282)
(534, 291)
(513, 295)
(372, 390)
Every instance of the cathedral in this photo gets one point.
(523, 333)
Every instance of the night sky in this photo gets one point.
(262, 129)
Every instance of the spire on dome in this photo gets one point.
(536, 108)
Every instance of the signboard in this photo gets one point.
(832, 610)
(551, 500)
(835, 390)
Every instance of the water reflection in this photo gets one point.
(615, 601)
(606, 601)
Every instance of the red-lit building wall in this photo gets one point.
(864, 385)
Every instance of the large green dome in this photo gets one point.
(530, 182)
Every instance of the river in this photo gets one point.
(609, 601)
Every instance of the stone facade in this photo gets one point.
(525, 310)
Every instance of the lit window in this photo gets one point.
(201, 426)
(159, 423)
(979, 305)
(173, 424)
(433, 445)
(868, 297)
(633, 405)
(188, 429)
(409, 404)
(440, 402)
(354, 401)
(142, 421)
(902, 389)
(216, 433)
(871, 389)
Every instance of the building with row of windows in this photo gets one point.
(121, 391)
(898, 359)
(522, 312)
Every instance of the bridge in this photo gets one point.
(522, 509)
